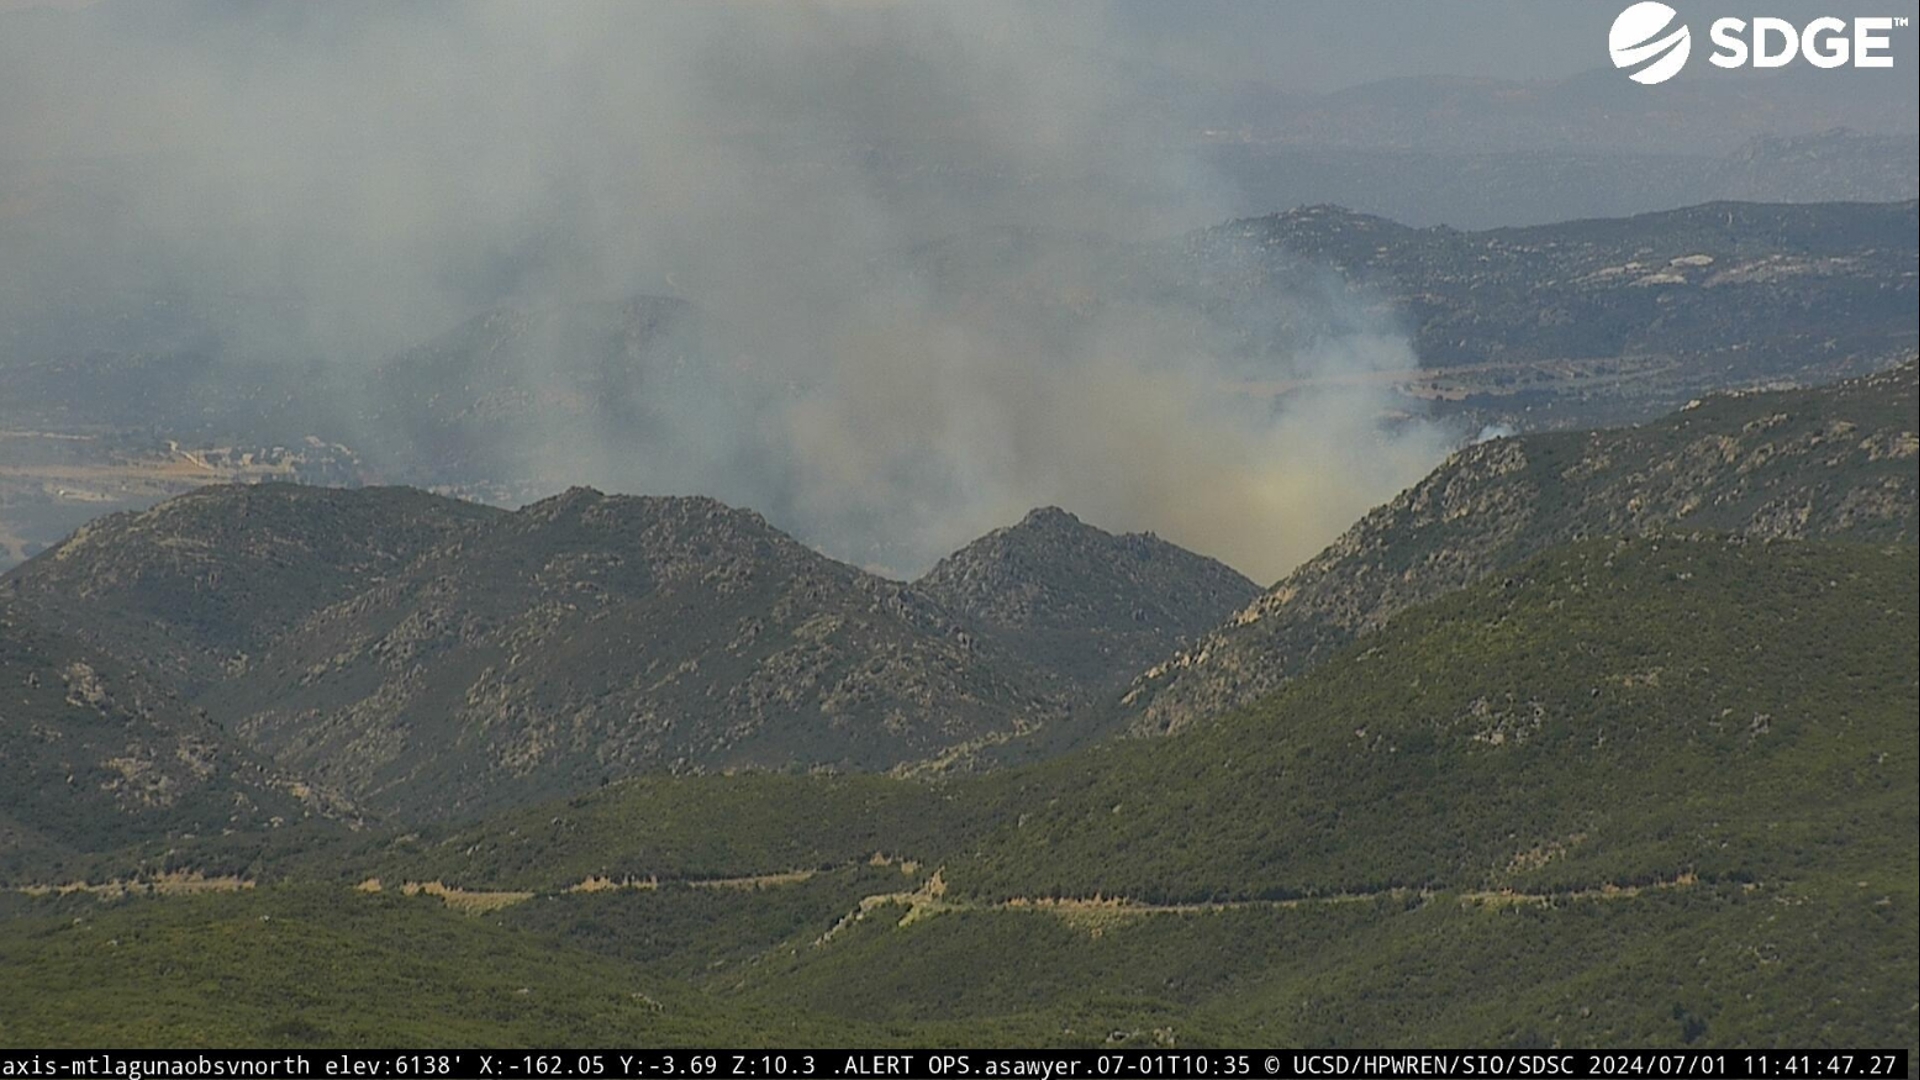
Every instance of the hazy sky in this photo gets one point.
(1317, 45)
(330, 183)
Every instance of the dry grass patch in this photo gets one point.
(464, 900)
(600, 884)
(1499, 898)
(176, 883)
(909, 867)
(755, 881)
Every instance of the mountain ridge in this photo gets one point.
(590, 635)
(425, 656)
(1837, 461)
(1098, 605)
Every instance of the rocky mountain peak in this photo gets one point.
(669, 534)
(1049, 517)
(1092, 602)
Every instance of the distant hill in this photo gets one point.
(517, 389)
(1585, 323)
(430, 657)
(1495, 187)
(1821, 167)
(1838, 461)
(1764, 288)
(588, 637)
(1078, 600)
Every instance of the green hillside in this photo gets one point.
(1500, 821)
(1649, 792)
(687, 827)
(1614, 711)
(307, 967)
(1820, 966)
(95, 755)
(1835, 462)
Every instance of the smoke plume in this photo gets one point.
(935, 252)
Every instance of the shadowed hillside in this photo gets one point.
(94, 756)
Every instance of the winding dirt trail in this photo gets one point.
(930, 898)
(1097, 913)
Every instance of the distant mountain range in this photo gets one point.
(1433, 184)
(1758, 289)
(428, 657)
(1577, 324)
(1635, 694)
(424, 657)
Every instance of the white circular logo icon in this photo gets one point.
(1636, 39)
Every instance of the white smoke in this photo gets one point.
(370, 175)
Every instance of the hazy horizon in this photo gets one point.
(320, 188)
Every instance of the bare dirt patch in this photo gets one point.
(466, 901)
(184, 883)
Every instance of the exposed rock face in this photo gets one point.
(1837, 462)
(1081, 601)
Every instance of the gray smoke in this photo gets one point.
(926, 244)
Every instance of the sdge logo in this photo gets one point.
(1636, 37)
(1650, 43)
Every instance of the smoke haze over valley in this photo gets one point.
(931, 257)
(329, 185)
